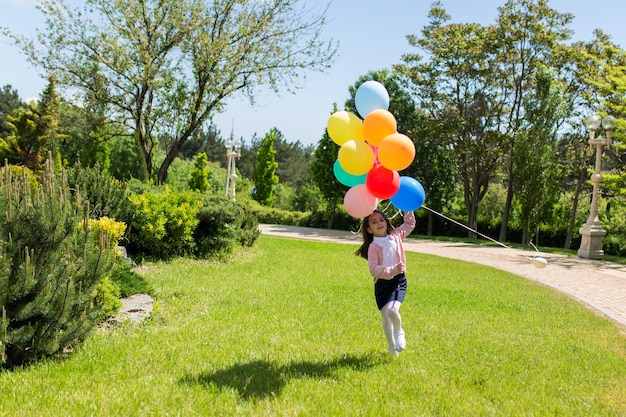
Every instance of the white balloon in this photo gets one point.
(539, 262)
(371, 95)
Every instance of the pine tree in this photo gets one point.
(50, 267)
(49, 114)
(265, 177)
(34, 131)
(199, 180)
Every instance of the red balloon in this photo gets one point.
(382, 182)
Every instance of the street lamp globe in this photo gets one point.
(592, 122)
(608, 123)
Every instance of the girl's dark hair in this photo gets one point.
(368, 238)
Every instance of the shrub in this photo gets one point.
(199, 177)
(163, 223)
(107, 196)
(614, 242)
(278, 216)
(113, 229)
(127, 281)
(50, 268)
(108, 296)
(223, 224)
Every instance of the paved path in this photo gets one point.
(599, 284)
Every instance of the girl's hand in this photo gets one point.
(399, 268)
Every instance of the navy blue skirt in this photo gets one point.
(387, 291)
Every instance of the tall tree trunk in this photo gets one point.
(507, 205)
(572, 218)
(333, 213)
(169, 158)
(146, 153)
(429, 227)
(473, 218)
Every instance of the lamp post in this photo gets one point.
(233, 151)
(592, 231)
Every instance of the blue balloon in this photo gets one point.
(410, 195)
(371, 95)
(346, 178)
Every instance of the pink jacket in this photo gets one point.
(375, 252)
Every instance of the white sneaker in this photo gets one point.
(393, 352)
(400, 340)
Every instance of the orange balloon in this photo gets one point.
(377, 125)
(343, 126)
(356, 157)
(396, 152)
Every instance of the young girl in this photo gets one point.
(382, 247)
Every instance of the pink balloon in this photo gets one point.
(359, 202)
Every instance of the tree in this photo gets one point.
(458, 90)
(529, 35)
(324, 157)
(208, 141)
(265, 170)
(9, 102)
(88, 135)
(34, 131)
(293, 161)
(25, 145)
(164, 68)
(593, 74)
(199, 180)
(472, 84)
(49, 109)
(535, 161)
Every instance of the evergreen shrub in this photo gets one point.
(223, 225)
(127, 281)
(614, 242)
(163, 223)
(269, 215)
(50, 268)
(108, 296)
(107, 196)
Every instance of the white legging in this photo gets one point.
(392, 322)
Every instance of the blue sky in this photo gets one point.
(372, 36)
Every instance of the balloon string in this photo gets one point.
(466, 227)
(384, 210)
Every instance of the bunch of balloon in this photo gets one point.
(372, 153)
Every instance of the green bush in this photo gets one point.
(108, 296)
(614, 245)
(127, 280)
(277, 216)
(163, 223)
(50, 268)
(223, 225)
(614, 242)
(199, 177)
(107, 196)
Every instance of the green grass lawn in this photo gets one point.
(290, 327)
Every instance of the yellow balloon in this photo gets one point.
(396, 152)
(356, 157)
(377, 125)
(343, 126)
